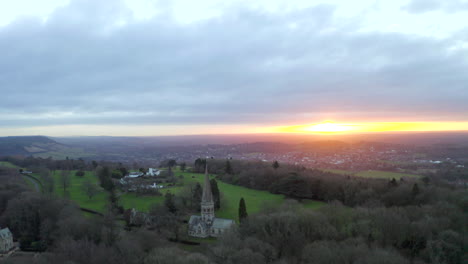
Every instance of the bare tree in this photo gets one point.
(65, 180)
(89, 188)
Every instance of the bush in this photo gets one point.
(80, 173)
(116, 174)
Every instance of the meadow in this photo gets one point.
(376, 174)
(230, 195)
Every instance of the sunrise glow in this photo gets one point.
(328, 127)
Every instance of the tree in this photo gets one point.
(199, 165)
(216, 194)
(123, 170)
(170, 203)
(117, 174)
(105, 180)
(110, 228)
(65, 180)
(228, 168)
(197, 193)
(183, 166)
(171, 163)
(48, 180)
(89, 188)
(275, 165)
(242, 210)
(415, 191)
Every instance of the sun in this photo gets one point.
(328, 127)
(325, 128)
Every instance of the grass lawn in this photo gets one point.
(385, 175)
(231, 195)
(374, 174)
(336, 171)
(76, 194)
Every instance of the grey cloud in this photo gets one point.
(246, 66)
(422, 6)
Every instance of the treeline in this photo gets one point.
(51, 164)
(339, 234)
(366, 221)
(300, 183)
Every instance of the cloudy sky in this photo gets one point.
(147, 67)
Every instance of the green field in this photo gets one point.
(336, 171)
(230, 195)
(75, 192)
(374, 174)
(385, 175)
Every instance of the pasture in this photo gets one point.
(230, 195)
(384, 175)
(373, 174)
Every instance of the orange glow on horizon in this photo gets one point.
(335, 128)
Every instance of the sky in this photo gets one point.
(141, 67)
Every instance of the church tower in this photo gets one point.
(207, 204)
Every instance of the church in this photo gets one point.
(206, 224)
(6, 241)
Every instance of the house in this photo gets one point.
(6, 240)
(153, 172)
(206, 224)
(134, 174)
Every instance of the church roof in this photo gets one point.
(207, 196)
(195, 220)
(219, 223)
(5, 233)
(222, 223)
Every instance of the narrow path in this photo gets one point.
(33, 180)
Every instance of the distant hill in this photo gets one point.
(38, 146)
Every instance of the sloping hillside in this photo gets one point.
(38, 146)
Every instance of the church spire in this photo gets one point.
(207, 204)
(207, 194)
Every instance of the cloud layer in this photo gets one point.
(93, 62)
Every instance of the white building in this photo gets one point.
(6, 240)
(153, 172)
(134, 174)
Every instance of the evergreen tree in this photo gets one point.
(228, 168)
(169, 202)
(114, 201)
(197, 193)
(105, 180)
(242, 210)
(216, 194)
(393, 183)
(171, 163)
(183, 166)
(275, 164)
(200, 165)
(415, 191)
